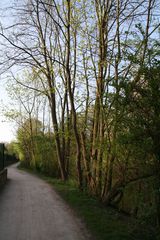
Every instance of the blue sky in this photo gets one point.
(7, 129)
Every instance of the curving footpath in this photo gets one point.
(31, 210)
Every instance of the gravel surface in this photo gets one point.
(31, 210)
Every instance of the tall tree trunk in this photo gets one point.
(71, 97)
(57, 135)
(98, 120)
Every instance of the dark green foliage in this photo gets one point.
(139, 139)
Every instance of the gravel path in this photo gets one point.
(31, 210)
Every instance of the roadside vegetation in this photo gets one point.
(86, 99)
(102, 222)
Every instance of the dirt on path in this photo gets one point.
(31, 210)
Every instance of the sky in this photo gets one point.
(7, 128)
(7, 131)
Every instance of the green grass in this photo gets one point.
(104, 223)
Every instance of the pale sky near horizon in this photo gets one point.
(7, 129)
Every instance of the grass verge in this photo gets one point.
(104, 223)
